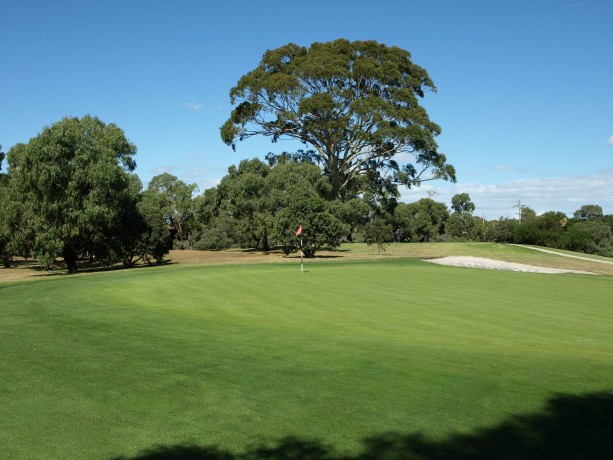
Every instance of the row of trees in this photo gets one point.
(260, 205)
(71, 192)
(589, 231)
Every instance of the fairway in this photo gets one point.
(233, 356)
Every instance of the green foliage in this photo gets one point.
(72, 180)
(502, 230)
(354, 213)
(244, 194)
(554, 230)
(463, 227)
(128, 241)
(423, 220)
(378, 232)
(588, 211)
(175, 200)
(527, 214)
(213, 239)
(220, 233)
(296, 193)
(321, 228)
(545, 230)
(157, 237)
(460, 203)
(590, 237)
(257, 204)
(7, 216)
(356, 104)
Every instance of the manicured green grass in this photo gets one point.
(114, 363)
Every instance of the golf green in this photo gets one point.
(112, 364)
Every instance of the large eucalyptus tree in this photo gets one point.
(356, 104)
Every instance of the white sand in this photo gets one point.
(481, 262)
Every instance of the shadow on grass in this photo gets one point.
(569, 427)
(58, 268)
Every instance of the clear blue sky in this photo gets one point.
(525, 88)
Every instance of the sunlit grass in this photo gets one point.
(113, 363)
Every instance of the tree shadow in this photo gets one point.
(569, 427)
(32, 268)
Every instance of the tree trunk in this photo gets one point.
(70, 259)
(334, 174)
(265, 246)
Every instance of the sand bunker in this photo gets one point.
(482, 262)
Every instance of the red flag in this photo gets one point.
(299, 231)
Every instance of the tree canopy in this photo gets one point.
(261, 205)
(423, 220)
(460, 203)
(588, 211)
(356, 103)
(173, 198)
(74, 185)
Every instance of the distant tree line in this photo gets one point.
(260, 205)
(588, 231)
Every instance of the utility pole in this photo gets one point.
(431, 193)
(519, 207)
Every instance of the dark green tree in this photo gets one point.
(156, 235)
(128, 242)
(176, 202)
(321, 229)
(590, 237)
(502, 230)
(588, 211)
(460, 203)
(72, 180)
(462, 226)
(354, 213)
(355, 103)
(527, 214)
(220, 232)
(545, 230)
(424, 219)
(8, 217)
(16, 218)
(217, 230)
(378, 232)
(297, 191)
(244, 194)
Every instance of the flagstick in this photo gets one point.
(301, 265)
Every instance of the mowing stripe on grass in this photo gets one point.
(113, 363)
